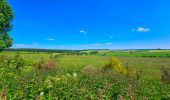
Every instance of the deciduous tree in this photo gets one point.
(6, 16)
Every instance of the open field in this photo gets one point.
(110, 53)
(132, 53)
(46, 75)
(84, 50)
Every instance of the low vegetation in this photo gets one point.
(40, 76)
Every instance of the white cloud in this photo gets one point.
(20, 45)
(23, 45)
(97, 44)
(84, 45)
(109, 43)
(141, 29)
(50, 39)
(83, 31)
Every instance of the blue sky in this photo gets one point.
(91, 24)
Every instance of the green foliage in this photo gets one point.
(2, 45)
(94, 53)
(17, 62)
(79, 78)
(6, 17)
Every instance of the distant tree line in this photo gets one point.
(44, 50)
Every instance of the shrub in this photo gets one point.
(116, 66)
(49, 64)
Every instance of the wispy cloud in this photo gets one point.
(22, 45)
(50, 39)
(109, 43)
(141, 29)
(83, 31)
(19, 44)
(84, 45)
(97, 44)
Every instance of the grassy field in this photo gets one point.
(132, 53)
(32, 75)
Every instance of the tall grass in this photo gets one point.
(81, 77)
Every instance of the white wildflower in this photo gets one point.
(57, 79)
(12, 60)
(74, 74)
(68, 74)
(42, 93)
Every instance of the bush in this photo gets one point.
(116, 66)
(49, 64)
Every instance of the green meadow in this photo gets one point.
(84, 75)
(88, 74)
